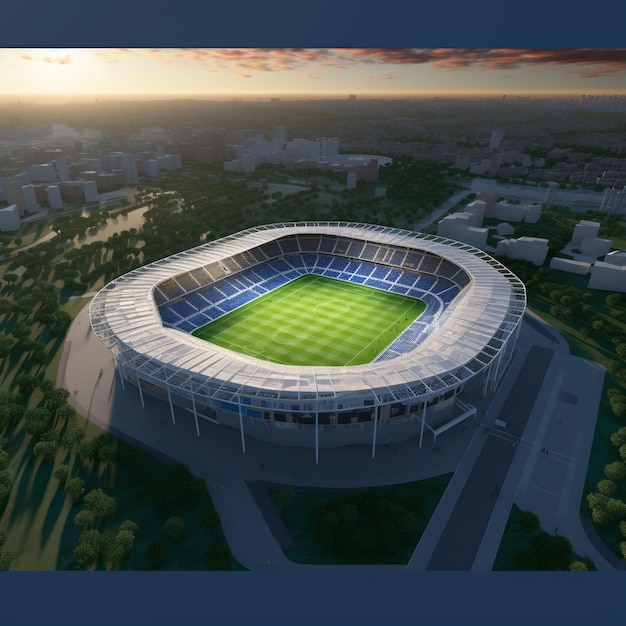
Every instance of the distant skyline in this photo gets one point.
(218, 73)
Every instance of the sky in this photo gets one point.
(217, 73)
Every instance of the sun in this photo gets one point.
(55, 70)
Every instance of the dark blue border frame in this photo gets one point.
(330, 596)
(323, 23)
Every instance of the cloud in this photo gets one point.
(27, 57)
(582, 63)
(60, 60)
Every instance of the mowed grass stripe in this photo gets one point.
(315, 320)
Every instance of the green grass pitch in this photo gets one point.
(315, 320)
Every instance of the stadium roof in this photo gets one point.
(468, 335)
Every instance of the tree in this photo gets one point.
(73, 437)
(577, 566)
(27, 383)
(211, 520)
(618, 438)
(74, 488)
(218, 557)
(6, 482)
(60, 323)
(83, 519)
(107, 454)
(61, 473)
(6, 344)
(5, 560)
(45, 449)
(553, 552)
(99, 503)
(156, 554)
(529, 521)
(615, 471)
(285, 498)
(174, 527)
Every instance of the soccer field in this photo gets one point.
(315, 320)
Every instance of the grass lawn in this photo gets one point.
(315, 320)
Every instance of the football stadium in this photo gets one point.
(316, 334)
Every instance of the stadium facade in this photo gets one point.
(464, 339)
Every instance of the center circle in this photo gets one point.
(332, 308)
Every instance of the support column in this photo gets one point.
(243, 441)
(317, 441)
(423, 422)
(119, 371)
(195, 413)
(376, 413)
(143, 406)
(169, 397)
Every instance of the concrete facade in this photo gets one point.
(533, 249)
(10, 218)
(608, 277)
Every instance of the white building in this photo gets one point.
(32, 206)
(595, 246)
(151, 168)
(496, 138)
(508, 212)
(42, 173)
(90, 191)
(584, 230)
(571, 266)
(532, 213)
(477, 209)
(617, 257)
(63, 174)
(608, 277)
(53, 193)
(533, 249)
(129, 164)
(10, 218)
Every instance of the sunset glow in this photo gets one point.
(291, 73)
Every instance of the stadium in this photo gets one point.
(316, 334)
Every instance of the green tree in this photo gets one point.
(27, 383)
(156, 554)
(45, 449)
(174, 527)
(6, 344)
(607, 487)
(529, 521)
(74, 488)
(83, 519)
(615, 471)
(577, 566)
(73, 438)
(99, 503)
(285, 498)
(6, 482)
(218, 557)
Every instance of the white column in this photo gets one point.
(143, 406)
(195, 413)
(119, 371)
(243, 441)
(169, 397)
(423, 422)
(376, 411)
(317, 441)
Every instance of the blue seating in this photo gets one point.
(168, 316)
(183, 308)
